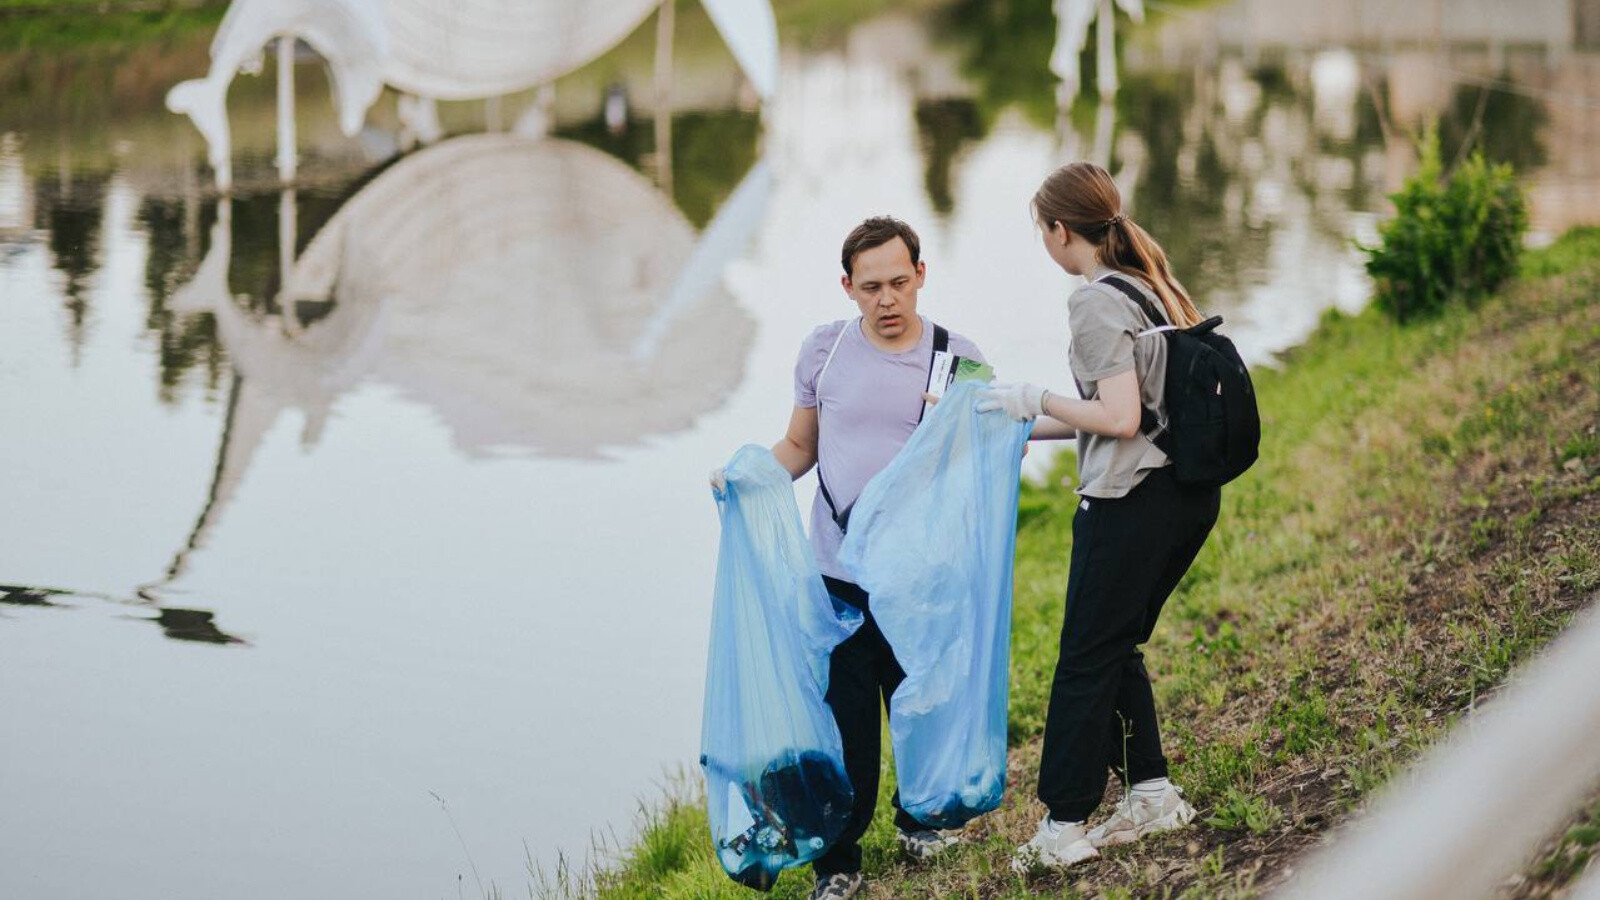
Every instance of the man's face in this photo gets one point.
(884, 287)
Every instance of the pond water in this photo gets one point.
(341, 519)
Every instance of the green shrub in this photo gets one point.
(1450, 238)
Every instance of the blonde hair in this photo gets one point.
(1082, 197)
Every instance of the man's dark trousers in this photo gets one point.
(861, 670)
(1128, 554)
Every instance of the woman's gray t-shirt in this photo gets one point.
(1105, 325)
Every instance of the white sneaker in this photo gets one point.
(1137, 816)
(1056, 845)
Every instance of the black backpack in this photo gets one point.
(1213, 428)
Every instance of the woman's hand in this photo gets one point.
(1019, 400)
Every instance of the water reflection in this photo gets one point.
(193, 625)
(178, 624)
(26, 596)
(570, 284)
(514, 323)
(66, 207)
(422, 438)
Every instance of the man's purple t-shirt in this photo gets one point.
(870, 403)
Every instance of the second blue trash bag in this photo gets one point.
(776, 790)
(931, 540)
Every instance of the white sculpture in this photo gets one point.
(437, 50)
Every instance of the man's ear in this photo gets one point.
(922, 271)
(844, 282)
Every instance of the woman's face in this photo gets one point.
(1071, 251)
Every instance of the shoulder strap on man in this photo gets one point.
(941, 344)
(822, 483)
(828, 361)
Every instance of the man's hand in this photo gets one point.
(1021, 401)
(931, 399)
(719, 479)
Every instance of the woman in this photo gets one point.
(1136, 529)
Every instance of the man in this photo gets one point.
(858, 387)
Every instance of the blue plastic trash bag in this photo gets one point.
(776, 790)
(931, 540)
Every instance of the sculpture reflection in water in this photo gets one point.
(511, 285)
(437, 50)
(1073, 18)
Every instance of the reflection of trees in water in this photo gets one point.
(1188, 212)
(254, 272)
(69, 207)
(184, 342)
(1005, 49)
(1203, 170)
(946, 126)
(1507, 126)
(1366, 187)
(178, 237)
(711, 151)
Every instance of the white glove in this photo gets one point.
(1019, 400)
(719, 479)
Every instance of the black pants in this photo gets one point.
(1128, 555)
(861, 670)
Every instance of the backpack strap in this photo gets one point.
(941, 344)
(1148, 422)
(822, 483)
(1138, 298)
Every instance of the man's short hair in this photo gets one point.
(875, 232)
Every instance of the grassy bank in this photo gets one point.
(1425, 516)
(68, 25)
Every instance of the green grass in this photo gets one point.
(18, 7)
(1422, 520)
(73, 25)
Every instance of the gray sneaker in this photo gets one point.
(839, 886)
(925, 844)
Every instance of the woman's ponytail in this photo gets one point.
(1083, 197)
(1131, 249)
